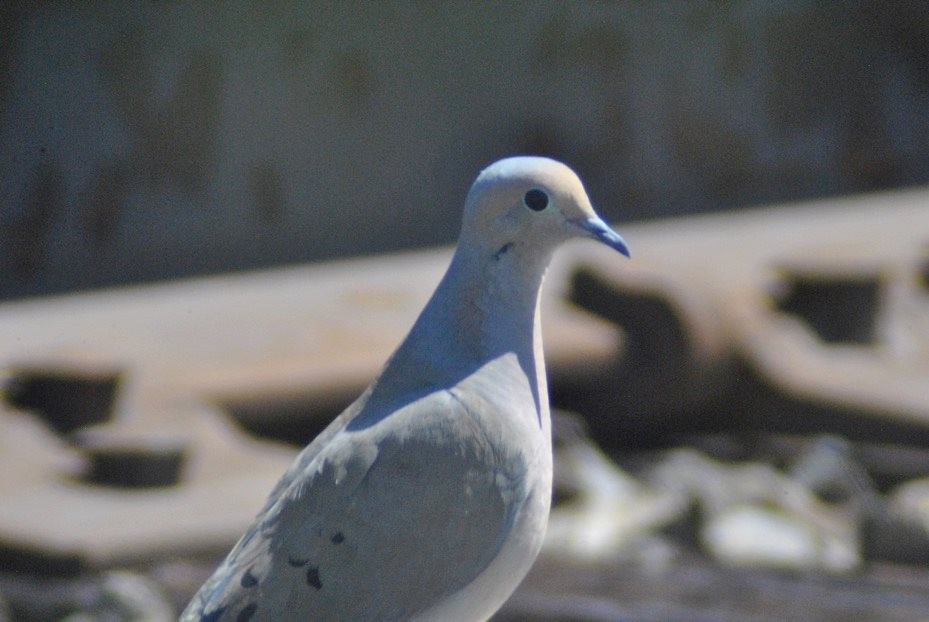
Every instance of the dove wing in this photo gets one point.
(441, 495)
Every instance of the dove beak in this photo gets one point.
(595, 228)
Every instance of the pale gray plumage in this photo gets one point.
(428, 497)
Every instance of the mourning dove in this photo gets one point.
(427, 499)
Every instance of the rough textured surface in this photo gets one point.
(816, 315)
(691, 589)
(635, 540)
(292, 348)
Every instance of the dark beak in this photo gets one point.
(600, 231)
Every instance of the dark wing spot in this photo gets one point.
(502, 250)
(296, 562)
(248, 579)
(246, 614)
(213, 616)
(338, 537)
(312, 577)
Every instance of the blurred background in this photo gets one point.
(144, 141)
(201, 212)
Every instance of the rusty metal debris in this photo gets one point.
(801, 318)
(141, 425)
(165, 399)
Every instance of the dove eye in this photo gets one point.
(536, 200)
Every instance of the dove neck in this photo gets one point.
(484, 315)
(488, 304)
(484, 311)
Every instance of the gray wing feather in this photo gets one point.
(367, 502)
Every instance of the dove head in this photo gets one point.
(531, 204)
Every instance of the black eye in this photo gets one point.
(536, 200)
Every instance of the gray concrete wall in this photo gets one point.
(144, 141)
